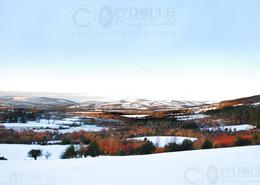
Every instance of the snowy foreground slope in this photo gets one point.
(240, 165)
(19, 151)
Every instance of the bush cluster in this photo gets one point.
(71, 151)
(173, 147)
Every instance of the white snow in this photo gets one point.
(191, 117)
(19, 151)
(86, 128)
(232, 128)
(19, 98)
(240, 165)
(135, 116)
(161, 141)
(62, 126)
(141, 104)
(29, 125)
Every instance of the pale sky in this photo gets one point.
(212, 54)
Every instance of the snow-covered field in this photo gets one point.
(191, 117)
(161, 141)
(63, 126)
(19, 151)
(135, 116)
(240, 165)
(232, 128)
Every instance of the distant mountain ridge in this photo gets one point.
(140, 104)
(38, 102)
(133, 104)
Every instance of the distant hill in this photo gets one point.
(241, 101)
(37, 102)
(138, 104)
(127, 104)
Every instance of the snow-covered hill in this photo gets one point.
(140, 104)
(240, 165)
(127, 104)
(134, 104)
(22, 101)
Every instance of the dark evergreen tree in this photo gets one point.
(93, 149)
(69, 153)
(35, 153)
(243, 142)
(147, 148)
(172, 147)
(207, 144)
(186, 145)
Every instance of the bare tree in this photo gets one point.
(47, 155)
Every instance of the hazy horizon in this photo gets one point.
(84, 98)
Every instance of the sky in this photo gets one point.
(172, 49)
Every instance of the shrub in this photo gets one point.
(35, 153)
(186, 145)
(2, 158)
(256, 139)
(207, 144)
(93, 149)
(172, 147)
(110, 146)
(223, 140)
(69, 153)
(122, 153)
(147, 148)
(243, 141)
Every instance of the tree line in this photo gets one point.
(245, 114)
